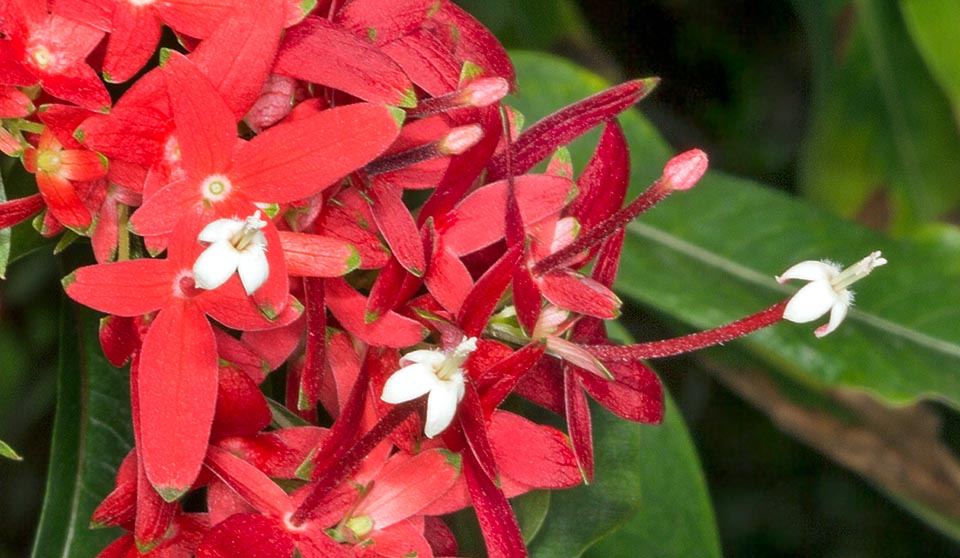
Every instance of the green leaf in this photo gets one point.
(882, 135)
(934, 25)
(8, 452)
(91, 436)
(899, 343)
(649, 497)
(537, 24)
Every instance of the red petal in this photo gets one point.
(64, 202)
(504, 375)
(241, 355)
(297, 159)
(635, 395)
(427, 61)
(311, 375)
(177, 394)
(474, 42)
(247, 534)
(195, 18)
(478, 221)
(18, 210)
(133, 40)
(206, 128)
(342, 223)
(119, 507)
(349, 308)
(482, 300)
(543, 385)
(471, 418)
(402, 489)
(526, 298)
(344, 368)
(154, 516)
(311, 255)
(249, 482)
(383, 22)
(579, 423)
(323, 52)
(533, 455)
(13, 103)
(92, 12)
(241, 408)
(397, 226)
(279, 453)
(497, 522)
(119, 338)
(572, 291)
(274, 345)
(81, 166)
(441, 539)
(238, 56)
(128, 288)
(603, 184)
(447, 278)
(565, 125)
(80, 85)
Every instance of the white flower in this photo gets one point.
(826, 290)
(437, 373)
(236, 245)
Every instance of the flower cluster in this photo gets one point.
(334, 189)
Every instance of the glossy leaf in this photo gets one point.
(91, 436)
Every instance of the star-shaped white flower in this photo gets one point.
(437, 373)
(826, 290)
(235, 245)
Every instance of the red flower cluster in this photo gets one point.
(265, 175)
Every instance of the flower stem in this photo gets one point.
(650, 197)
(341, 469)
(692, 342)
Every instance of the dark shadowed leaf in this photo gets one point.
(92, 434)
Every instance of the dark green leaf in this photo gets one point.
(934, 25)
(531, 510)
(649, 497)
(91, 436)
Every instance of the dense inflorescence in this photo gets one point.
(333, 189)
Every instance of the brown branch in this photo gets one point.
(898, 450)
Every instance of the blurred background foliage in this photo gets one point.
(851, 107)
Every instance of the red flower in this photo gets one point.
(178, 361)
(56, 170)
(50, 50)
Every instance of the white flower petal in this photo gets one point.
(221, 229)
(253, 269)
(809, 270)
(429, 357)
(410, 382)
(215, 265)
(442, 405)
(837, 313)
(810, 302)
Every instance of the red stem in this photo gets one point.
(656, 192)
(341, 469)
(692, 342)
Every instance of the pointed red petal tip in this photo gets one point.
(683, 171)
(460, 139)
(485, 91)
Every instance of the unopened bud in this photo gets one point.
(484, 91)
(684, 171)
(460, 139)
